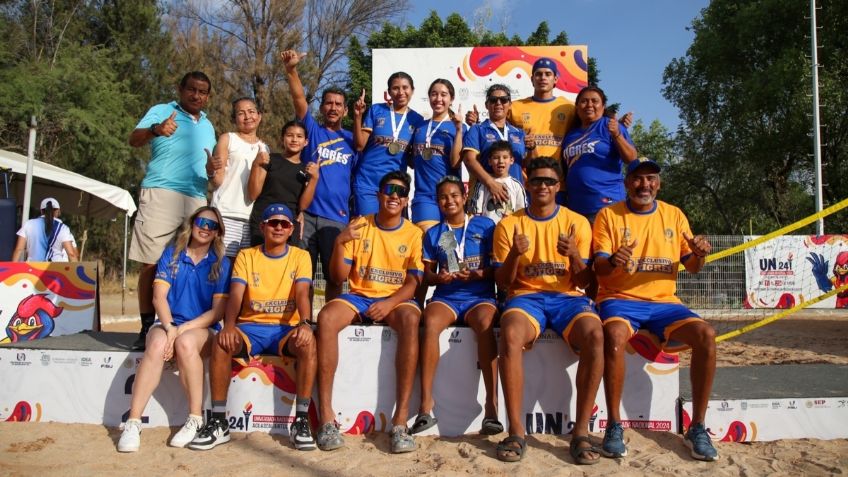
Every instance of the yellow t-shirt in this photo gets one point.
(542, 268)
(544, 121)
(651, 274)
(380, 258)
(269, 296)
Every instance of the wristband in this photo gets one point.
(609, 259)
(152, 130)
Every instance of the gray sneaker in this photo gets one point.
(329, 437)
(401, 440)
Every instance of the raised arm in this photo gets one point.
(290, 60)
(360, 135)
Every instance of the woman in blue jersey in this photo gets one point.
(435, 153)
(382, 135)
(457, 260)
(189, 296)
(593, 152)
(45, 238)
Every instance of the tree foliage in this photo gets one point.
(743, 93)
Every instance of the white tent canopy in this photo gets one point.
(77, 194)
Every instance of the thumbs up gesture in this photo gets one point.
(621, 257)
(520, 242)
(359, 106)
(472, 117)
(169, 126)
(699, 244)
(214, 163)
(567, 244)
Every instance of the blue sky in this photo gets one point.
(632, 41)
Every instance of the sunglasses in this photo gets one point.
(204, 223)
(274, 223)
(539, 181)
(390, 189)
(498, 99)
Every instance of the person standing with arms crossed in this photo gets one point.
(175, 183)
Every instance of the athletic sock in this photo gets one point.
(219, 409)
(147, 320)
(301, 407)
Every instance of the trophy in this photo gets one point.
(448, 244)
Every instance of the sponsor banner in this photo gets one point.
(95, 387)
(41, 299)
(472, 70)
(792, 269)
(761, 420)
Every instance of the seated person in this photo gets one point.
(267, 313)
(541, 255)
(639, 246)
(464, 295)
(189, 295)
(380, 255)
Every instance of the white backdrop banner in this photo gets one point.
(772, 419)
(789, 270)
(472, 70)
(95, 387)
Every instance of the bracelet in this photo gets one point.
(530, 148)
(609, 259)
(617, 136)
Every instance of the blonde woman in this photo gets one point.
(189, 296)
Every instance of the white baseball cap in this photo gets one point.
(47, 200)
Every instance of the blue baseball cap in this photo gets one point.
(277, 209)
(545, 63)
(641, 162)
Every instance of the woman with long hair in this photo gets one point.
(189, 296)
(383, 135)
(45, 238)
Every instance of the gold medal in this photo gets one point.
(394, 147)
(427, 153)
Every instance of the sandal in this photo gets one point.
(491, 426)
(507, 452)
(578, 453)
(423, 422)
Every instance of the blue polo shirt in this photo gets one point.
(336, 156)
(191, 292)
(178, 162)
(481, 137)
(376, 160)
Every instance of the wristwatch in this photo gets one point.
(152, 129)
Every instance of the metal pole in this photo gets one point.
(124, 270)
(816, 119)
(28, 181)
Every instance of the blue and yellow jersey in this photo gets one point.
(651, 274)
(481, 137)
(477, 255)
(336, 157)
(269, 296)
(429, 170)
(545, 121)
(542, 268)
(190, 290)
(593, 165)
(380, 258)
(375, 160)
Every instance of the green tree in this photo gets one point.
(743, 93)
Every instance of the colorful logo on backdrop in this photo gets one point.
(23, 411)
(33, 295)
(485, 61)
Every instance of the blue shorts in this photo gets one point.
(661, 319)
(425, 209)
(365, 203)
(461, 308)
(556, 311)
(359, 304)
(261, 338)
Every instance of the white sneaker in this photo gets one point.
(188, 431)
(130, 439)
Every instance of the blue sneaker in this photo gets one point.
(698, 440)
(614, 441)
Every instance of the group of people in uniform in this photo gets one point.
(553, 235)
